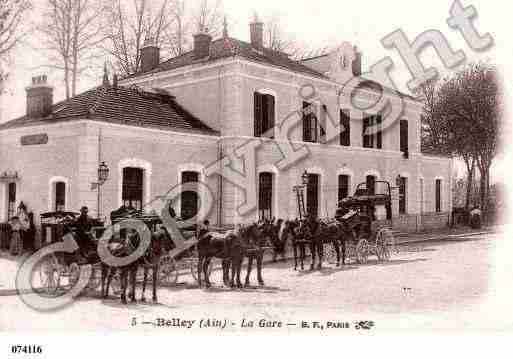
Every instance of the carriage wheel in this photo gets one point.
(168, 271)
(194, 268)
(49, 275)
(362, 251)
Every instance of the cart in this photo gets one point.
(58, 272)
(364, 235)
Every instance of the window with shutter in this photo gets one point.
(265, 195)
(264, 114)
(403, 136)
(310, 123)
(345, 129)
(258, 114)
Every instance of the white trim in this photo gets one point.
(137, 163)
(372, 172)
(269, 168)
(422, 193)
(51, 192)
(266, 91)
(214, 138)
(191, 167)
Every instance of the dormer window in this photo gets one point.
(264, 115)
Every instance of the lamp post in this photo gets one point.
(103, 176)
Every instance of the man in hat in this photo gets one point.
(84, 225)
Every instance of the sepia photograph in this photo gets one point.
(253, 167)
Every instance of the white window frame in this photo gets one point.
(51, 192)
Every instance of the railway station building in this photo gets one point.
(174, 119)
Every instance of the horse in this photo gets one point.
(274, 232)
(315, 233)
(228, 248)
(160, 242)
(253, 240)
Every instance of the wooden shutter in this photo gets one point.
(379, 134)
(306, 122)
(438, 196)
(258, 114)
(270, 111)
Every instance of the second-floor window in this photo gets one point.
(264, 115)
(403, 136)
(345, 129)
(375, 138)
(310, 123)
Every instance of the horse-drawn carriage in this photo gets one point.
(365, 233)
(60, 270)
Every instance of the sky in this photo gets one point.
(323, 23)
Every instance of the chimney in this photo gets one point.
(150, 56)
(357, 63)
(39, 97)
(202, 45)
(256, 29)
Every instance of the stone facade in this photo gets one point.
(221, 95)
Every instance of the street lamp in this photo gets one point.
(103, 173)
(103, 176)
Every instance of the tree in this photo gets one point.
(208, 17)
(467, 109)
(436, 137)
(12, 17)
(276, 39)
(130, 25)
(72, 33)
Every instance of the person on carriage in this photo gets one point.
(83, 226)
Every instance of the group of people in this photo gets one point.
(19, 236)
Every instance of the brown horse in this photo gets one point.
(160, 242)
(228, 248)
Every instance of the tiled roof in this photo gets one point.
(121, 105)
(227, 47)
